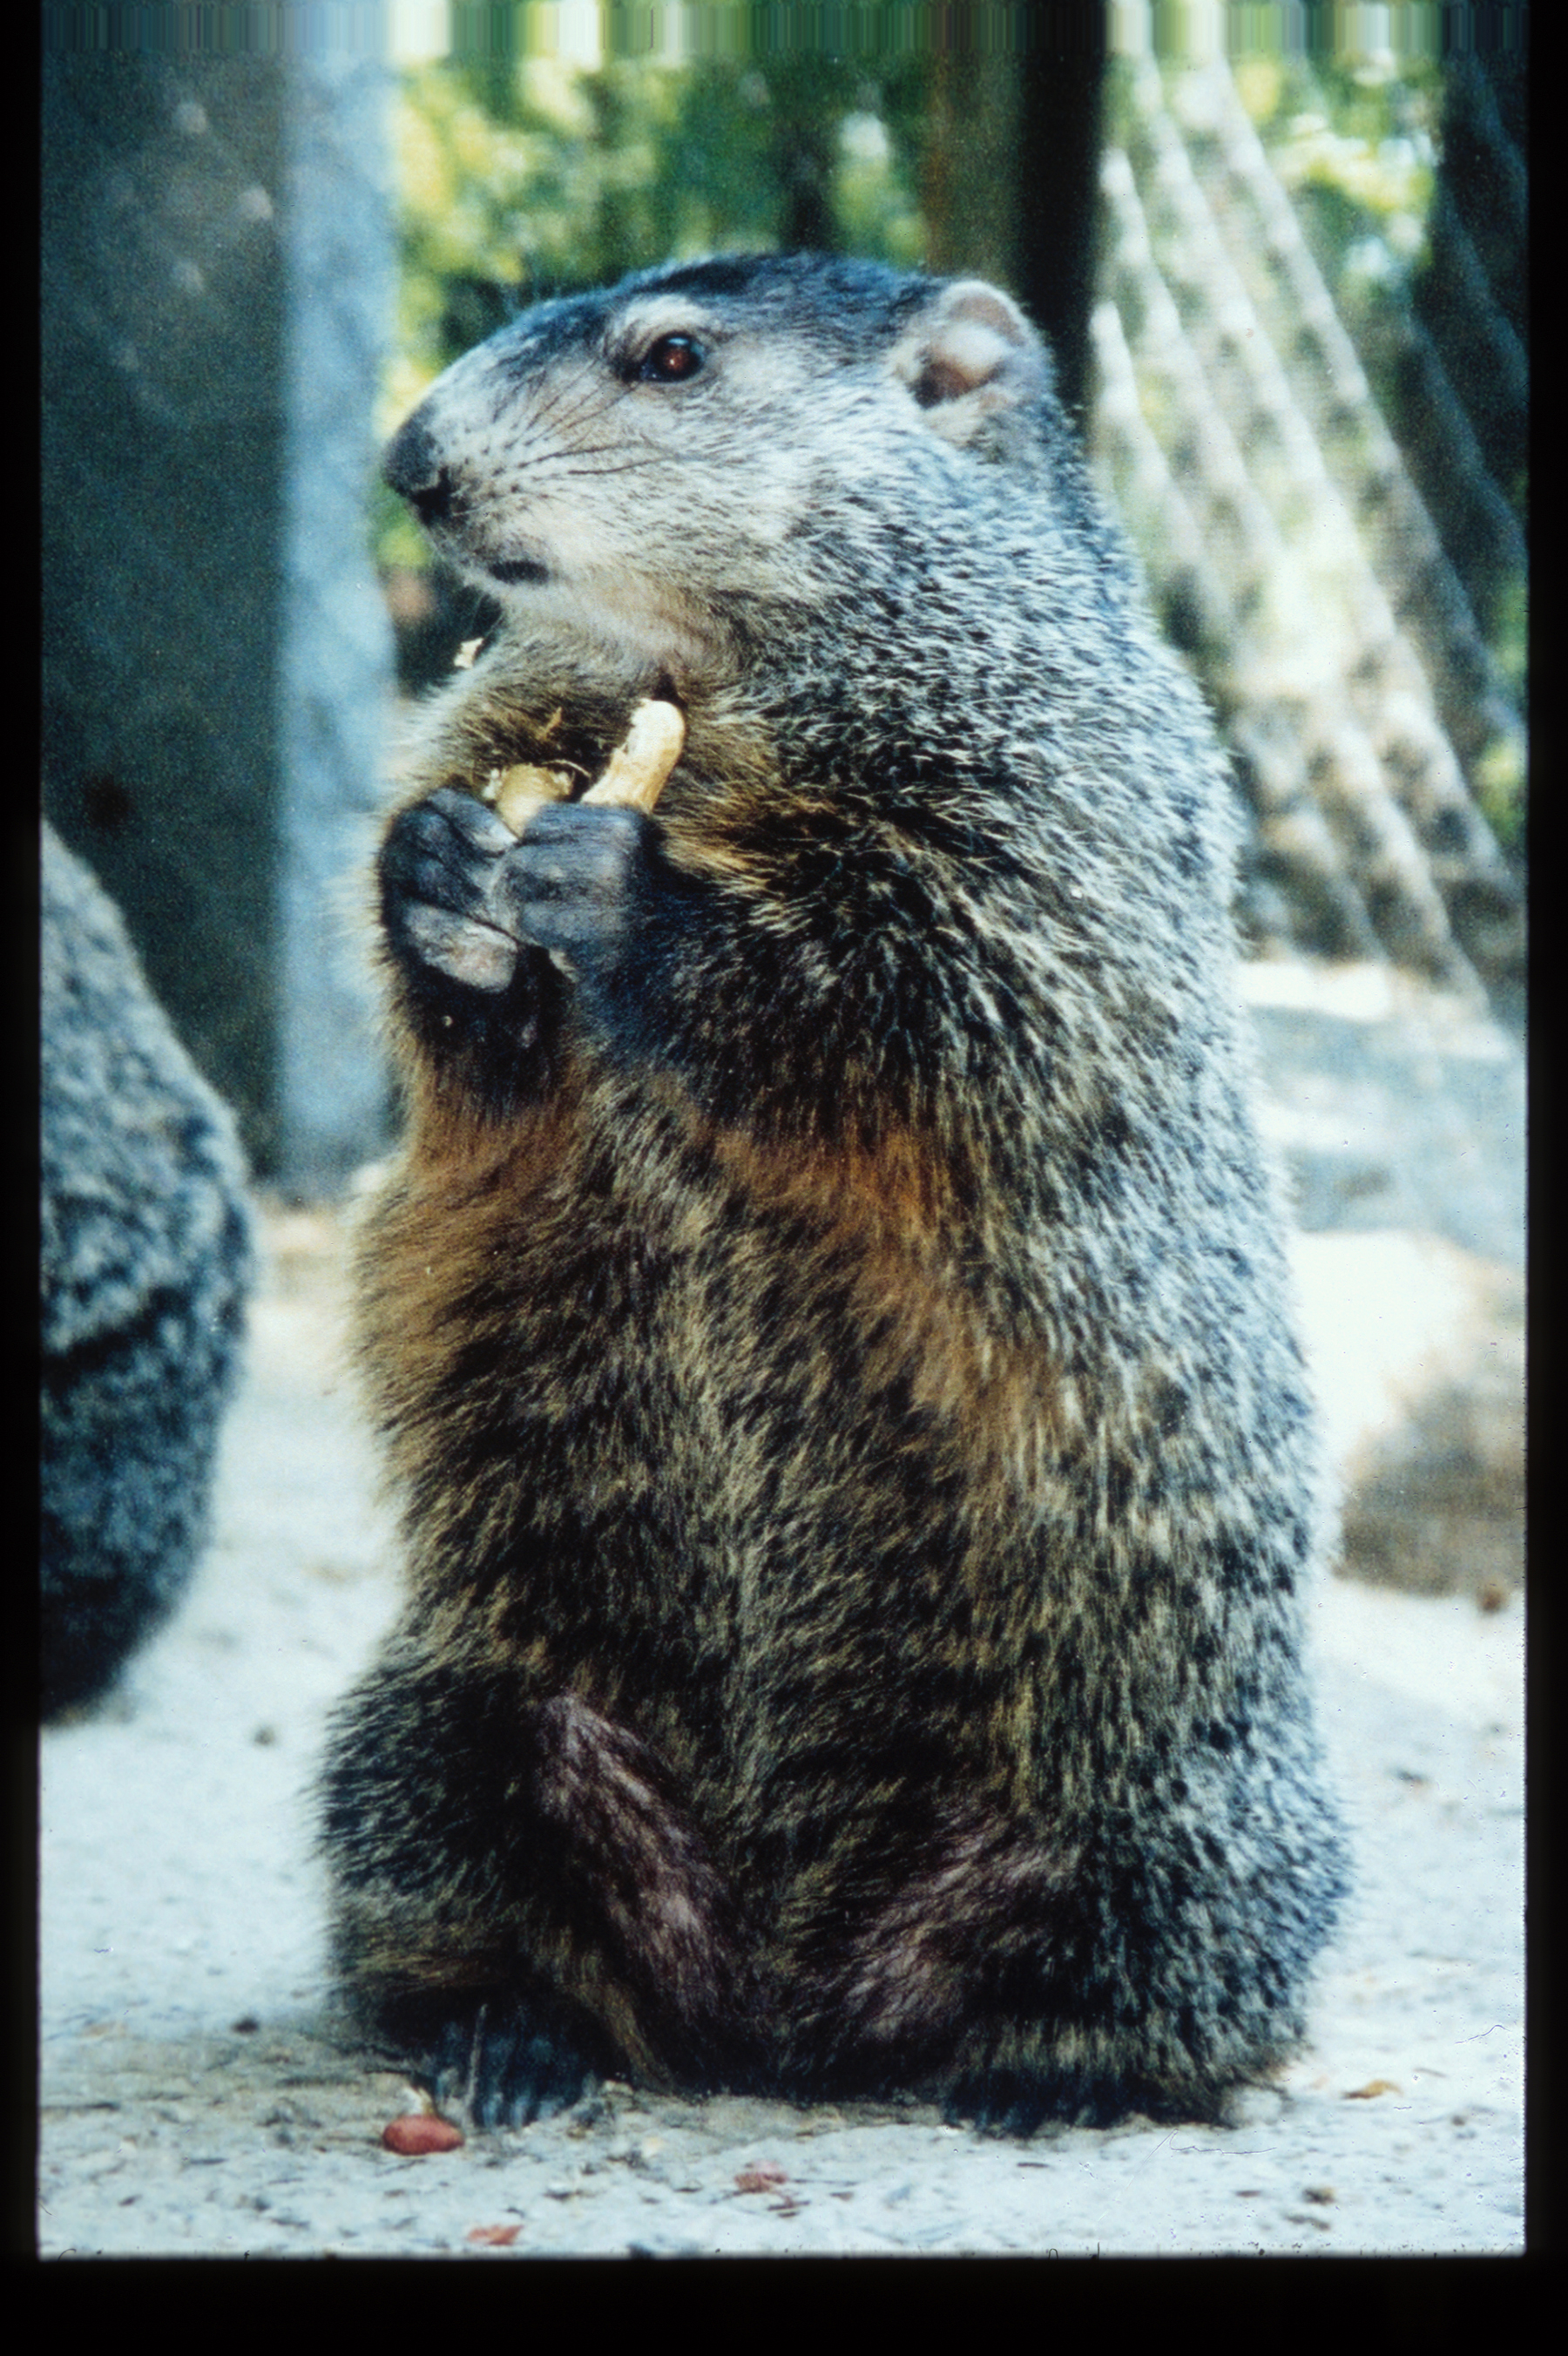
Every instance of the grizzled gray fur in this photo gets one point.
(146, 1262)
(830, 1324)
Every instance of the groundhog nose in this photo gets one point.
(412, 468)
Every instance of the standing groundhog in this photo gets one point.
(829, 1320)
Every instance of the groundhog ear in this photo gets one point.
(970, 355)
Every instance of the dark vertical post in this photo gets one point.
(1061, 83)
(1009, 172)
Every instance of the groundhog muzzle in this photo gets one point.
(828, 1325)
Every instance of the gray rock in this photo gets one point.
(146, 1258)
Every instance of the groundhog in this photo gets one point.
(830, 1324)
(146, 1263)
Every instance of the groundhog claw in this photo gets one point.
(505, 2066)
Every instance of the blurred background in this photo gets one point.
(1281, 255)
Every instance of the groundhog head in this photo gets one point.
(679, 460)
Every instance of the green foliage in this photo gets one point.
(526, 176)
(1356, 146)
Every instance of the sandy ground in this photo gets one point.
(194, 2099)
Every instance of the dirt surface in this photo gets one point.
(195, 2100)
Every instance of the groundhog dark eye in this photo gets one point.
(672, 360)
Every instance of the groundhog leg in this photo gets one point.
(890, 1993)
(521, 1900)
(1016, 1977)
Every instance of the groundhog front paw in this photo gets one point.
(445, 901)
(571, 877)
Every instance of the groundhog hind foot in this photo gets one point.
(1021, 2102)
(506, 2060)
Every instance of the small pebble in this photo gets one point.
(420, 2131)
